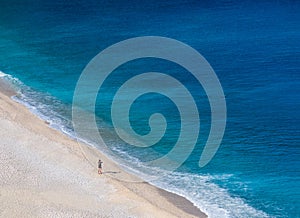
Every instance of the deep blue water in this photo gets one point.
(254, 49)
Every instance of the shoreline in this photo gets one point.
(58, 151)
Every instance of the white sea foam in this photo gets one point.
(199, 189)
(40, 104)
(15, 83)
(2, 74)
(208, 196)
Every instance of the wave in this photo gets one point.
(201, 190)
(2, 74)
(43, 105)
(207, 196)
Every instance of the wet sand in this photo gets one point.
(44, 173)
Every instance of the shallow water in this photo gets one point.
(254, 50)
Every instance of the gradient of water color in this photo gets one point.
(254, 49)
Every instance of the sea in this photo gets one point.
(254, 49)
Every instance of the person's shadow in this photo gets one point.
(111, 172)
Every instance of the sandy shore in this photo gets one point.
(46, 174)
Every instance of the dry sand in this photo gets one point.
(44, 173)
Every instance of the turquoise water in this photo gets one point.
(253, 48)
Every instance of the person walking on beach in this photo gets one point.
(100, 167)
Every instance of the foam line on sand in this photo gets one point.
(44, 173)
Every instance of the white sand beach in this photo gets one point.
(44, 173)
